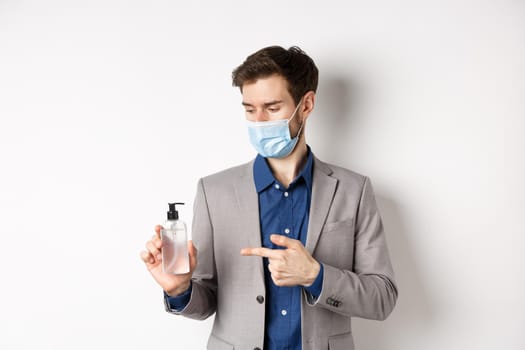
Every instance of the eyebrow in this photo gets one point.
(267, 104)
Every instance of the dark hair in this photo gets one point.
(293, 64)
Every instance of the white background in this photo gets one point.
(110, 109)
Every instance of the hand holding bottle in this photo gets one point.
(172, 284)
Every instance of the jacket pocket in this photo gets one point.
(215, 343)
(336, 244)
(341, 342)
(332, 226)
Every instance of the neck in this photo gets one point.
(285, 170)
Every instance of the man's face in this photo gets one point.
(268, 99)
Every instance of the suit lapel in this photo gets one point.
(248, 201)
(323, 190)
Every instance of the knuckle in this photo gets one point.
(145, 256)
(152, 248)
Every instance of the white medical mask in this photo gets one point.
(271, 139)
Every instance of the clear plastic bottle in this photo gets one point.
(175, 258)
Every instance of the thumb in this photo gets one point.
(193, 255)
(283, 241)
(191, 248)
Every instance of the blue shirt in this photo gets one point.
(282, 211)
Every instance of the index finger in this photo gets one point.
(262, 252)
(157, 230)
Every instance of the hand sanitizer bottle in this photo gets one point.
(175, 258)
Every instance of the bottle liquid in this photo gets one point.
(175, 258)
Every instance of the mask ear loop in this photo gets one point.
(293, 116)
(295, 111)
(300, 129)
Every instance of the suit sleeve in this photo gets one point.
(369, 290)
(203, 299)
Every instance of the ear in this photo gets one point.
(308, 104)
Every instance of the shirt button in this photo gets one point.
(286, 194)
(287, 230)
(260, 299)
(284, 312)
(277, 186)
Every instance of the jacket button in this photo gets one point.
(260, 299)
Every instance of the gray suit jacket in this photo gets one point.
(345, 234)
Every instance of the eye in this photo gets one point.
(273, 109)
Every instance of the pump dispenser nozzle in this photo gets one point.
(173, 214)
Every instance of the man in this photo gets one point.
(289, 248)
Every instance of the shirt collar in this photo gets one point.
(263, 176)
